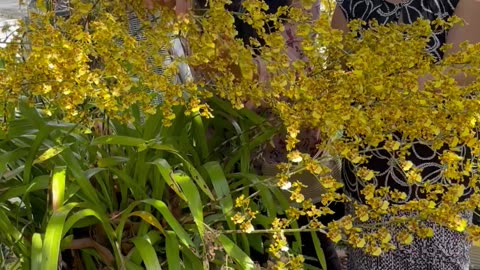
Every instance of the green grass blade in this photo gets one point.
(166, 171)
(153, 237)
(319, 250)
(222, 190)
(171, 220)
(36, 251)
(11, 157)
(148, 254)
(137, 191)
(39, 139)
(166, 214)
(190, 260)
(194, 201)
(58, 187)
(149, 218)
(53, 237)
(173, 251)
(130, 266)
(199, 135)
(50, 153)
(11, 234)
(236, 253)
(119, 140)
(83, 182)
(82, 215)
(197, 177)
(38, 183)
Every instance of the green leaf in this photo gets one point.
(11, 157)
(38, 183)
(166, 171)
(80, 215)
(36, 251)
(58, 187)
(137, 191)
(149, 218)
(111, 161)
(81, 179)
(53, 237)
(66, 241)
(190, 168)
(236, 253)
(12, 234)
(174, 224)
(191, 260)
(39, 139)
(222, 190)
(166, 214)
(194, 201)
(128, 266)
(319, 250)
(152, 237)
(149, 256)
(88, 212)
(152, 126)
(91, 172)
(199, 135)
(119, 140)
(173, 251)
(50, 153)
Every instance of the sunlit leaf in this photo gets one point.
(149, 256)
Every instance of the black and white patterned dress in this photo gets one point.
(447, 250)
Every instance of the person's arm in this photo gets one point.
(292, 42)
(468, 11)
(339, 21)
(181, 6)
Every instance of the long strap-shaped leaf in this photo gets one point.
(173, 251)
(143, 144)
(58, 187)
(83, 182)
(165, 171)
(236, 253)
(104, 221)
(222, 190)
(166, 214)
(149, 256)
(53, 236)
(197, 177)
(36, 251)
(38, 183)
(194, 201)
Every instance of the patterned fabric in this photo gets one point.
(407, 12)
(447, 250)
(421, 155)
(275, 152)
(184, 74)
(61, 7)
(390, 174)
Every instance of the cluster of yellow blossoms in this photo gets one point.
(357, 87)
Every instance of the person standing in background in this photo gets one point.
(447, 249)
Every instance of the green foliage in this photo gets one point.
(93, 173)
(141, 195)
